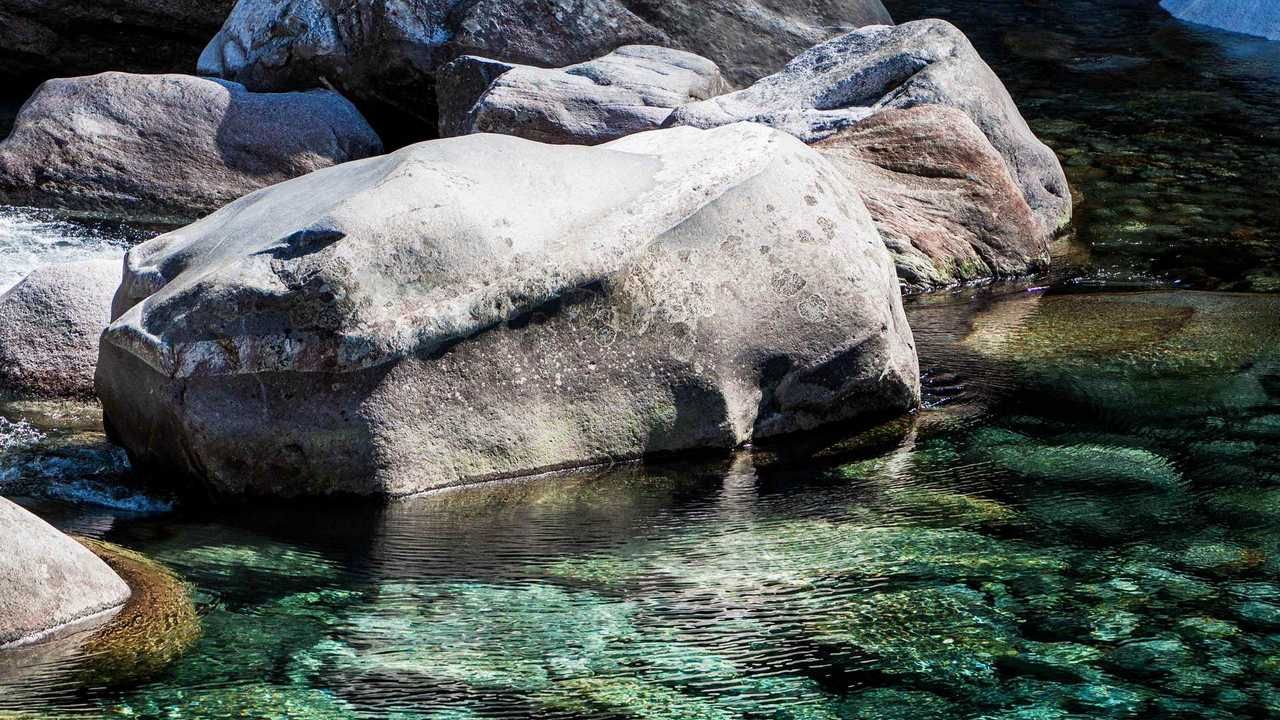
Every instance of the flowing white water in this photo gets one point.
(30, 238)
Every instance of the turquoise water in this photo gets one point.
(1082, 524)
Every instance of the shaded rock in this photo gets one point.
(49, 328)
(1149, 657)
(50, 585)
(169, 146)
(941, 196)
(485, 306)
(385, 55)
(1251, 17)
(630, 90)
(842, 82)
(60, 38)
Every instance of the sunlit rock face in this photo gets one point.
(630, 90)
(169, 147)
(487, 306)
(1250, 17)
(384, 55)
(842, 82)
(50, 585)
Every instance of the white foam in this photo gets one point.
(30, 238)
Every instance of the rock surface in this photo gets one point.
(840, 83)
(169, 147)
(1251, 17)
(62, 38)
(50, 585)
(486, 306)
(632, 89)
(384, 55)
(941, 196)
(49, 328)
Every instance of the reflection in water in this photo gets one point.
(1090, 534)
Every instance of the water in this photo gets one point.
(1084, 521)
(30, 238)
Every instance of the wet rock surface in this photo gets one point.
(169, 147)
(1251, 17)
(679, 289)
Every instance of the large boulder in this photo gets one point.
(841, 83)
(384, 54)
(941, 196)
(50, 585)
(1251, 17)
(49, 328)
(486, 306)
(632, 89)
(61, 38)
(169, 147)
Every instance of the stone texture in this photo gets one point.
(840, 83)
(169, 147)
(62, 38)
(630, 90)
(1251, 17)
(941, 196)
(486, 306)
(49, 328)
(50, 585)
(384, 55)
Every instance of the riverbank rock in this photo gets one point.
(50, 585)
(61, 38)
(1250, 17)
(630, 90)
(844, 81)
(49, 328)
(385, 56)
(169, 147)
(941, 196)
(486, 306)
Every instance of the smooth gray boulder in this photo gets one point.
(486, 306)
(941, 196)
(169, 147)
(840, 83)
(61, 38)
(1250, 17)
(50, 585)
(630, 90)
(384, 55)
(49, 328)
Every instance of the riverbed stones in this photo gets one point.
(630, 90)
(50, 585)
(40, 38)
(384, 56)
(942, 197)
(49, 328)
(842, 82)
(1250, 17)
(486, 306)
(169, 147)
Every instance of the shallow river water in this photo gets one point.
(1084, 522)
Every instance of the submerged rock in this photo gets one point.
(49, 328)
(169, 147)
(50, 585)
(840, 83)
(630, 90)
(1251, 17)
(385, 55)
(942, 197)
(486, 306)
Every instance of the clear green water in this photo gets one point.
(1084, 522)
